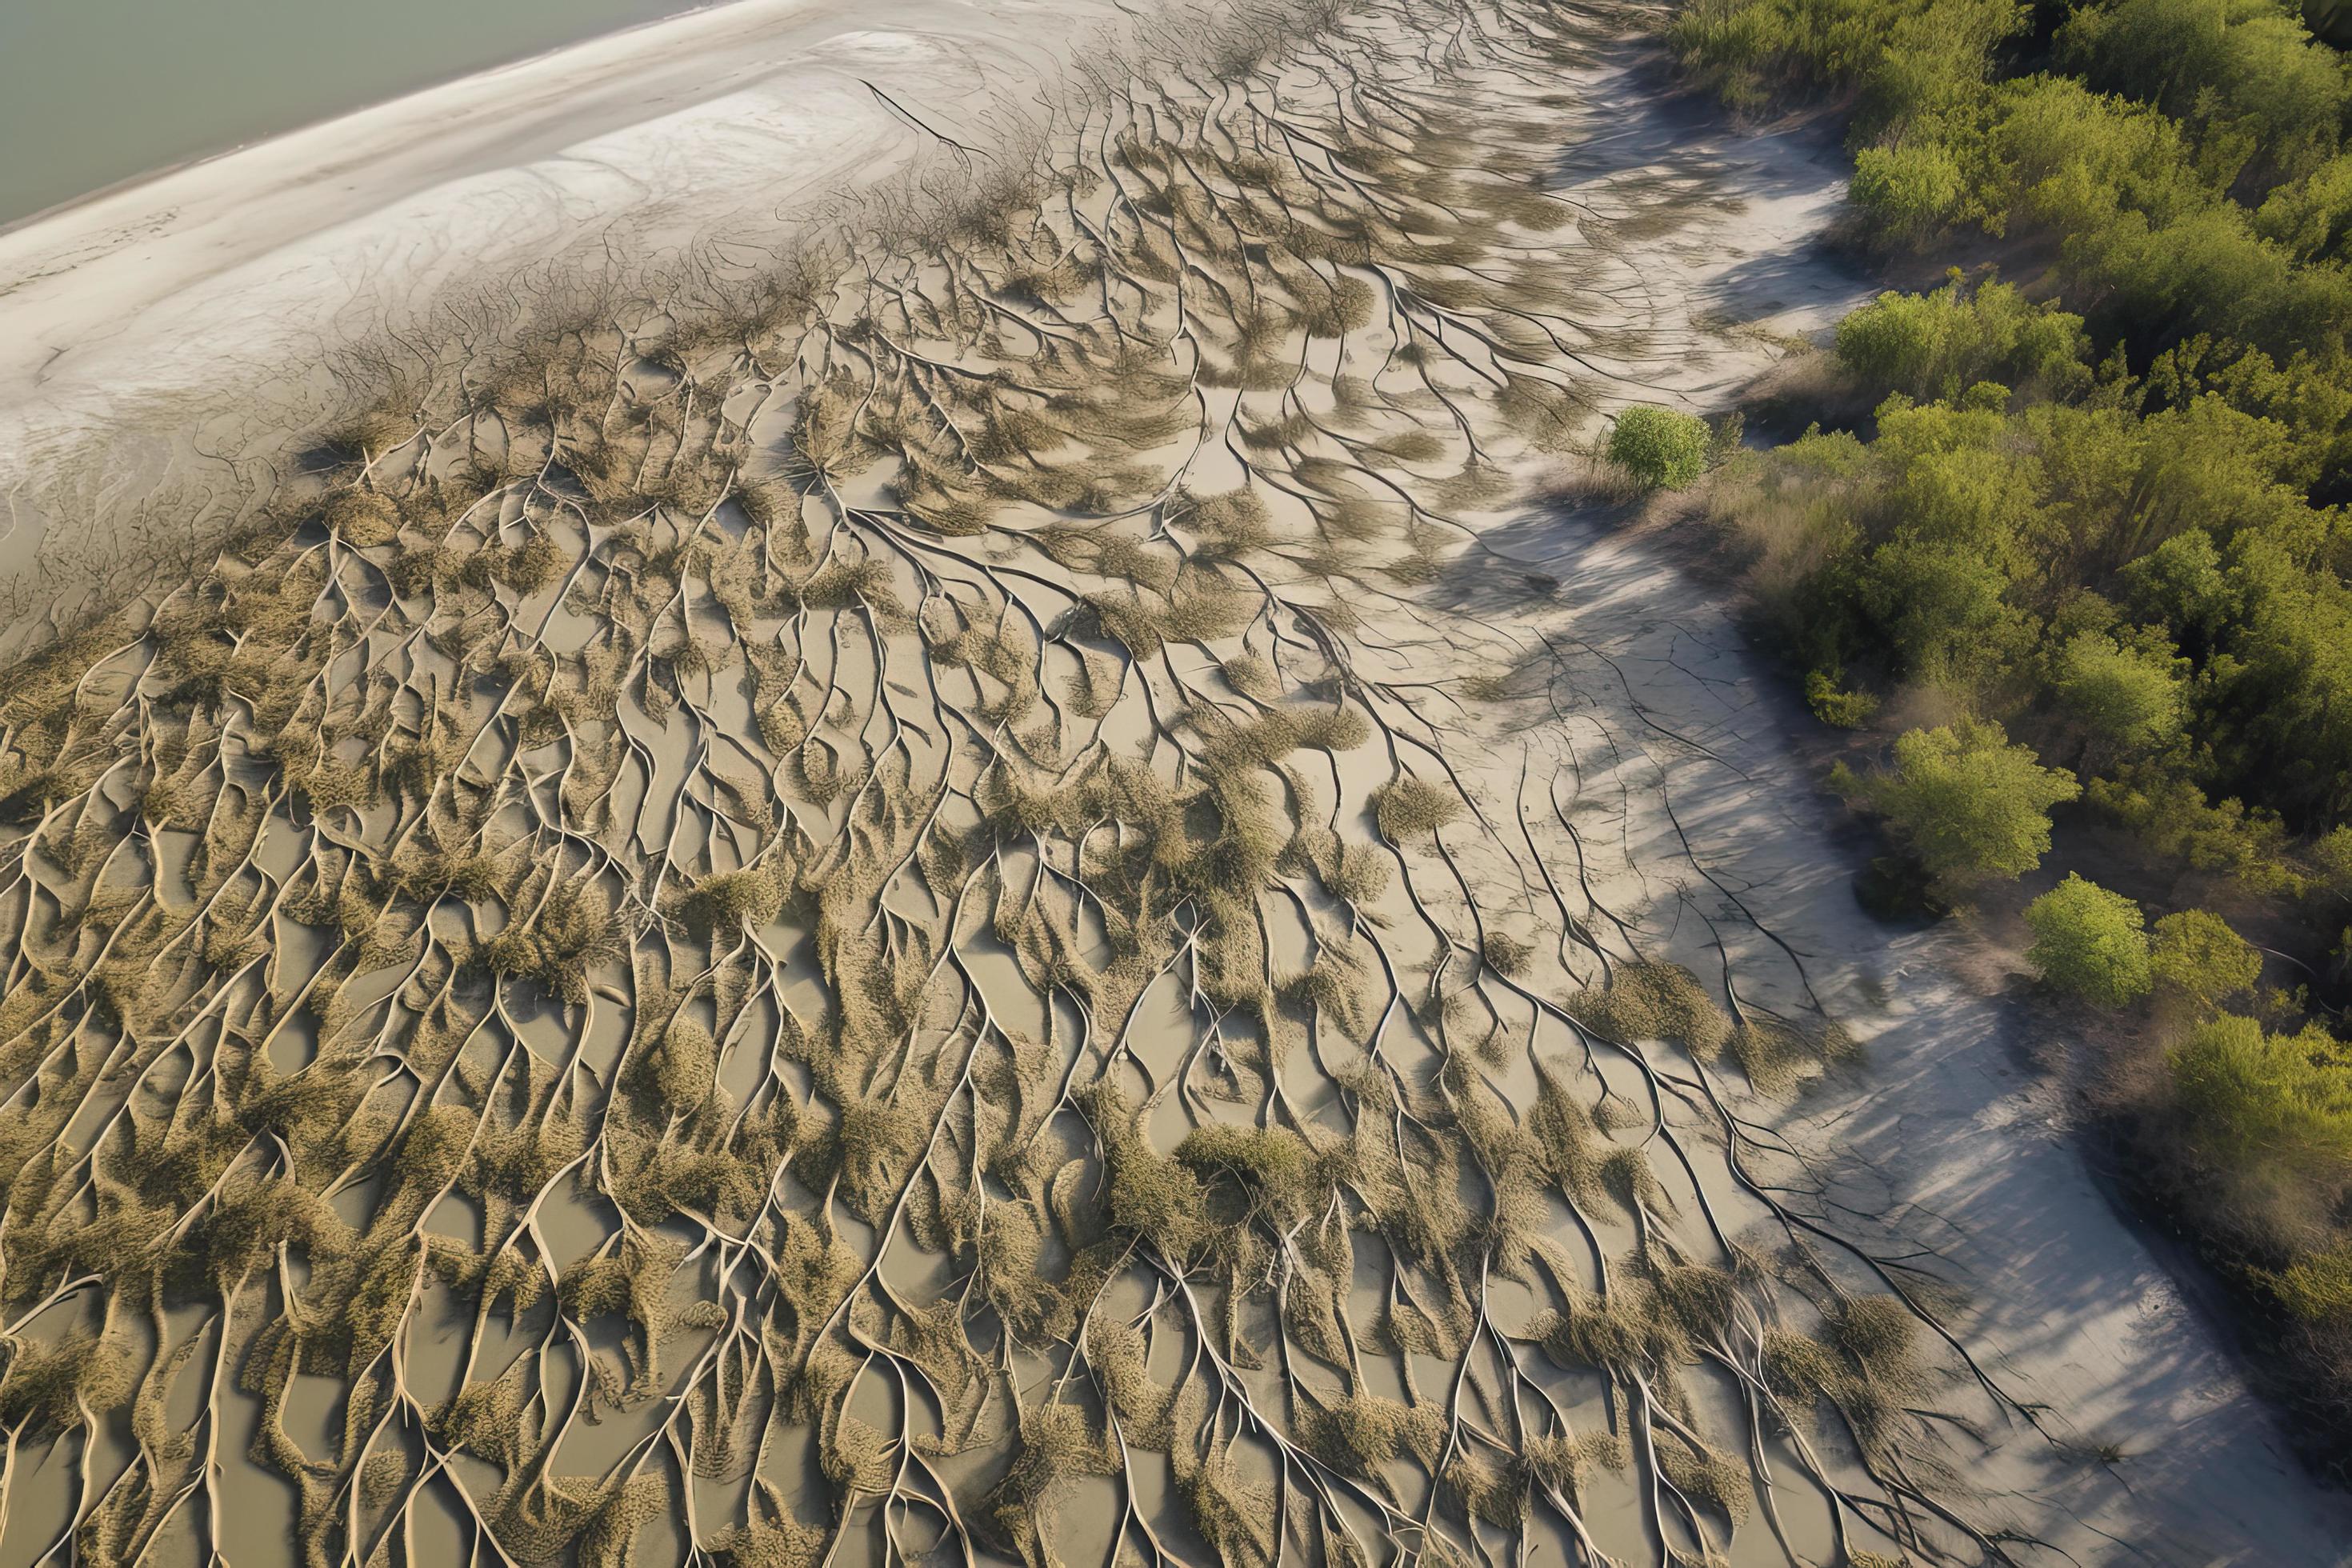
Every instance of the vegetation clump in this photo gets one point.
(364, 518)
(2090, 942)
(1410, 808)
(2096, 508)
(1657, 1002)
(1658, 448)
(1934, 347)
(1966, 801)
(2196, 955)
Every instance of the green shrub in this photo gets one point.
(2172, 818)
(1937, 345)
(2272, 1107)
(1950, 509)
(1846, 710)
(1659, 448)
(2090, 942)
(2332, 857)
(2128, 698)
(1966, 801)
(1908, 193)
(2197, 956)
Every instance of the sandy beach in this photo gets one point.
(198, 295)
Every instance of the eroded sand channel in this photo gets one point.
(994, 894)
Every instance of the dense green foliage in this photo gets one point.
(2090, 942)
(1941, 344)
(2101, 508)
(1658, 448)
(2110, 531)
(1967, 803)
(2199, 957)
(2280, 1102)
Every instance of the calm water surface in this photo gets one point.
(93, 92)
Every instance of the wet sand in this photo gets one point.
(177, 84)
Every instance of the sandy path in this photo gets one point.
(1948, 1128)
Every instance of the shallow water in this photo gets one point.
(102, 90)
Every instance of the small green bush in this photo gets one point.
(1846, 710)
(1659, 448)
(1908, 194)
(2198, 956)
(2090, 942)
(1966, 801)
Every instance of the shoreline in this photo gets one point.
(165, 170)
(211, 293)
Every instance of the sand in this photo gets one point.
(1949, 1129)
(207, 291)
(798, 850)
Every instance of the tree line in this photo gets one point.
(2092, 523)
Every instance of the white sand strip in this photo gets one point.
(226, 271)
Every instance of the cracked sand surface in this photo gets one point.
(1944, 1130)
(757, 945)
